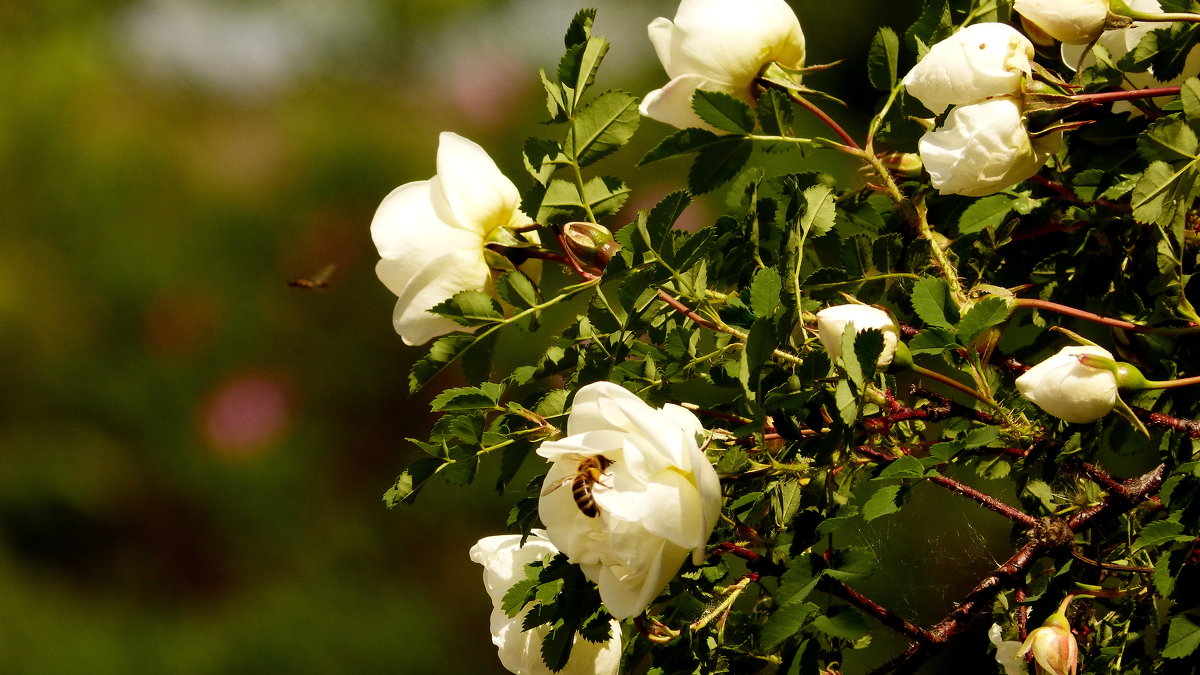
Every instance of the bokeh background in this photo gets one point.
(192, 453)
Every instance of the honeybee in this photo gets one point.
(587, 474)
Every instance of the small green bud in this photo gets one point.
(903, 164)
(1127, 375)
(903, 359)
(591, 243)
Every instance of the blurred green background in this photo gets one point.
(192, 454)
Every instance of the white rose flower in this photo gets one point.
(431, 234)
(1076, 22)
(1120, 42)
(1069, 390)
(656, 496)
(976, 63)
(1007, 652)
(983, 148)
(832, 323)
(719, 45)
(504, 559)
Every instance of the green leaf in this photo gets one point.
(1174, 48)
(988, 312)
(577, 69)
(934, 25)
(1159, 532)
(443, 351)
(765, 290)
(887, 252)
(517, 595)
(774, 113)
(683, 142)
(542, 157)
(602, 126)
(885, 501)
(931, 301)
(755, 354)
(517, 290)
(723, 111)
(1168, 140)
(1183, 637)
(987, 212)
(1189, 94)
(786, 622)
(843, 622)
(856, 255)
(718, 163)
(820, 211)
(1164, 194)
(470, 308)
(562, 201)
(412, 480)
(605, 194)
(787, 502)
(581, 27)
(852, 563)
(906, 466)
(556, 647)
(883, 58)
(462, 398)
(933, 341)
(868, 345)
(556, 106)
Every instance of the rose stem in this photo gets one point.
(1169, 384)
(883, 614)
(952, 383)
(985, 500)
(1128, 94)
(1096, 318)
(826, 119)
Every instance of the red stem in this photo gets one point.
(684, 310)
(1125, 95)
(826, 119)
(984, 500)
(1080, 314)
(883, 614)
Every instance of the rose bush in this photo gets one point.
(983, 148)
(430, 235)
(657, 500)
(833, 321)
(504, 560)
(719, 45)
(976, 63)
(1075, 22)
(1068, 389)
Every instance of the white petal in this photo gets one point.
(401, 219)
(477, 194)
(978, 62)
(668, 506)
(662, 32)
(673, 103)
(730, 42)
(1069, 390)
(504, 559)
(981, 149)
(438, 280)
